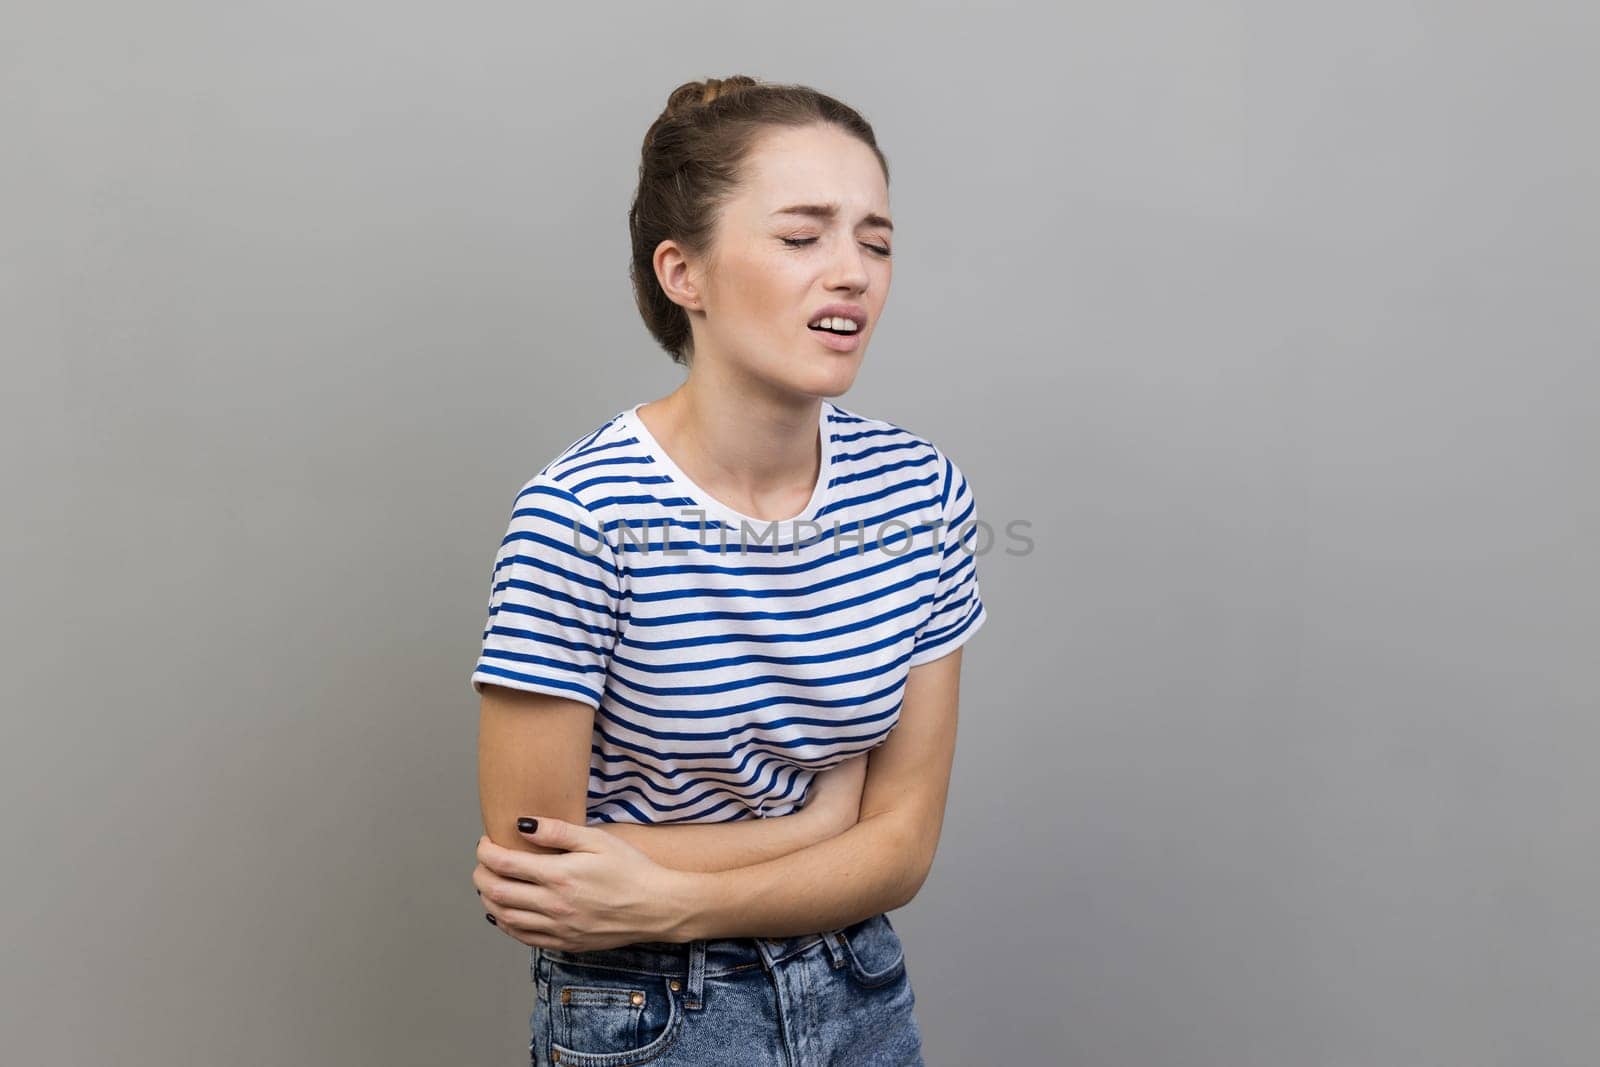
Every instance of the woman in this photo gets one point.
(705, 614)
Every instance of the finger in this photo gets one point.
(483, 877)
(498, 891)
(526, 920)
(512, 862)
(528, 927)
(543, 936)
(523, 923)
(563, 835)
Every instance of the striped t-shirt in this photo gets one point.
(727, 658)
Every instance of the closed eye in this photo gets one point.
(797, 242)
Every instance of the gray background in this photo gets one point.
(1276, 320)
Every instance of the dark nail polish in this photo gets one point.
(486, 915)
(528, 826)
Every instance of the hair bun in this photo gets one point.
(692, 95)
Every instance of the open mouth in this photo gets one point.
(840, 326)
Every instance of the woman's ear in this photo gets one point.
(676, 275)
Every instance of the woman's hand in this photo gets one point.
(834, 797)
(600, 892)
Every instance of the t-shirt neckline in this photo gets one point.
(715, 509)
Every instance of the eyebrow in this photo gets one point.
(830, 211)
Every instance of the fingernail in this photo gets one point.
(528, 826)
(486, 915)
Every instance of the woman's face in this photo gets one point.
(774, 270)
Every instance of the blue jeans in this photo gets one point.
(841, 997)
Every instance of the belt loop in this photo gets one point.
(835, 942)
(694, 998)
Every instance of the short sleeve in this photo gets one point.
(957, 611)
(553, 599)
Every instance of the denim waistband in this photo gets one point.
(696, 960)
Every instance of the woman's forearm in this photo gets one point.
(722, 846)
(876, 865)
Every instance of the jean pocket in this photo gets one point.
(607, 1018)
(875, 954)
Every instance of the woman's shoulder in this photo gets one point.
(852, 425)
(570, 472)
(882, 437)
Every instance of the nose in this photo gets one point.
(850, 268)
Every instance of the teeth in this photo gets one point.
(838, 324)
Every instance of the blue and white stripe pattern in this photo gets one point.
(722, 679)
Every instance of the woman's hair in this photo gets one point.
(692, 161)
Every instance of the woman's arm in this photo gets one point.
(533, 756)
(876, 865)
(832, 804)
